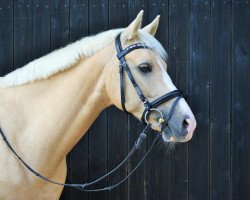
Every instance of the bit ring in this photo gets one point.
(153, 110)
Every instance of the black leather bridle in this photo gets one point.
(149, 107)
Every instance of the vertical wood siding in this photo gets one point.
(208, 43)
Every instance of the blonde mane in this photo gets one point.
(65, 58)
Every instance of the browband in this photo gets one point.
(131, 48)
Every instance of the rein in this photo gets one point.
(84, 186)
(149, 107)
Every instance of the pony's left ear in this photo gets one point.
(131, 31)
(153, 26)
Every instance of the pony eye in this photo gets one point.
(145, 67)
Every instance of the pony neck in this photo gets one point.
(52, 115)
(84, 99)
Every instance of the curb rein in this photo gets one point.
(149, 107)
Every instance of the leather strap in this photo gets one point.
(162, 99)
(123, 66)
(84, 186)
(122, 88)
(131, 48)
(166, 97)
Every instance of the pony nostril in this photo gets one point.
(185, 123)
(186, 126)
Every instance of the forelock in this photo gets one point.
(153, 43)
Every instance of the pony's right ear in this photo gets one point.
(131, 31)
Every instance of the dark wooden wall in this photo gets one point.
(208, 42)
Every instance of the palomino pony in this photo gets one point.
(48, 105)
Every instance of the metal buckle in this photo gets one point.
(145, 101)
(161, 119)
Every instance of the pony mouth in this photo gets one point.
(167, 135)
(169, 138)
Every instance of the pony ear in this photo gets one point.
(153, 26)
(131, 31)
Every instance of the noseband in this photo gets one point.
(149, 107)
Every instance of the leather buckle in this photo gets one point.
(146, 104)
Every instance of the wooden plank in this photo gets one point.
(117, 151)
(98, 132)
(134, 7)
(59, 23)
(6, 37)
(220, 101)
(240, 100)
(78, 164)
(41, 28)
(59, 30)
(117, 120)
(159, 165)
(79, 25)
(79, 154)
(160, 8)
(22, 32)
(199, 55)
(137, 183)
(178, 65)
(98, 154)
